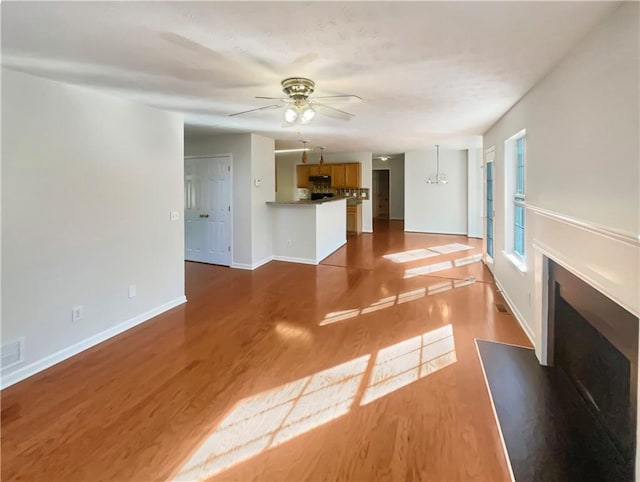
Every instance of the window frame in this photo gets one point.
(515, 197)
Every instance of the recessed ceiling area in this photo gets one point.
(428, 72)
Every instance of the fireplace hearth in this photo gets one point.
(593, 348)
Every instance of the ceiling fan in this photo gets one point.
(299, 108)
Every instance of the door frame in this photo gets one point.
(373, 194)
(232, 211)
(488, 156)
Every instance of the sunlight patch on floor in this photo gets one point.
(412, 255)
(451, 248)
(275, 416)
(406, 362)
(389, 301)
(467, 259)
(429, 268)
(288, 331)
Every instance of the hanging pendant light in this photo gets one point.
(441, 178)
(304, 153)
(321, 161)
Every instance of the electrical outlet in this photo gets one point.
(174, 215)
(77, 312)
(132, 291)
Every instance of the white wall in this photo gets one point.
(286, 174)
(435, 208)
(395, 166)
(582, 175)
(582, 162)
(331, 227)
(262, 168)
(475, 192)
(88, 183)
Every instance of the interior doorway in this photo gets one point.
(207, 209)
(380, 186)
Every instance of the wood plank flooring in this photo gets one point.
(260, 377)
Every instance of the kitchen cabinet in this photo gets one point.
(302, 173)
(314, 169)
(318, 170)
(354, 219)
(343, 175)
(352, 174)
(338, 176)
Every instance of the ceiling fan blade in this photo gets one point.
(332, 111)
(282, 99)
(274, 106)
(340, 99)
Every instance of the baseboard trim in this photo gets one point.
(516, 313)
(253, 266)
(291, 259)
(435, 232)
(66, 353)
(241, 266)
(262, 262)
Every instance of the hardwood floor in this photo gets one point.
(290, 372)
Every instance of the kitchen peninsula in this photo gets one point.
(308, 231)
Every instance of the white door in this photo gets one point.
(207, 210)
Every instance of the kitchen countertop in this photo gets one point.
(308, 202)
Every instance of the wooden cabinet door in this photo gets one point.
(302, 173)
(354, 219)
(352, 174)
(338, 176)
(351, 220)
(314, 169)
(325, 170)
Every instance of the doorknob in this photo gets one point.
(204, 215)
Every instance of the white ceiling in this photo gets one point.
(433, 72)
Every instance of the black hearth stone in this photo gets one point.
(538, 436)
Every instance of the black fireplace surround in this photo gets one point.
(593, 348)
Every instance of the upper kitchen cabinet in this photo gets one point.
(338, 176)
(303, 173)
(318, 170)
(352, 174)
(342, 175)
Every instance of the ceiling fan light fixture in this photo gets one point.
(307, 114)
(290, 114)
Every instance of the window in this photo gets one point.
(515, 153)
(518, 200)
(489, 207)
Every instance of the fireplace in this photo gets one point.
(593, 348)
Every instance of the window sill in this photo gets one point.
(518, 262)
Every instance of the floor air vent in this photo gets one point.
(501, 308)
(12, 353)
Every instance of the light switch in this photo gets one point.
(174, 215)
